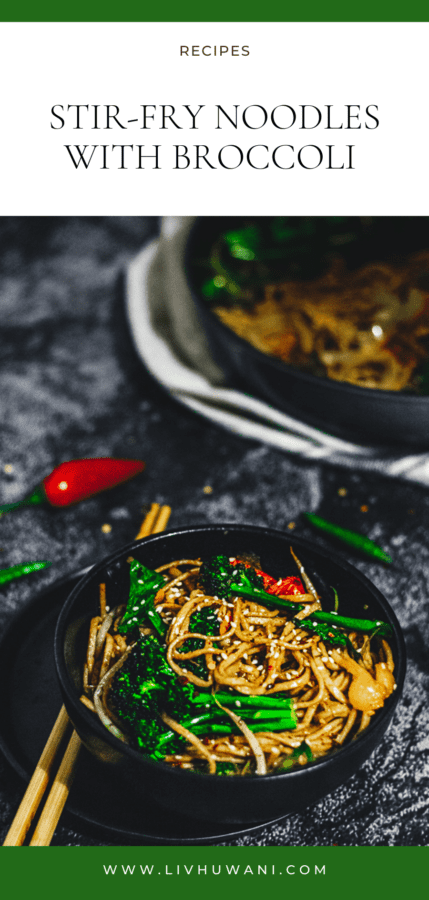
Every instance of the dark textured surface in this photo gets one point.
(70, 386)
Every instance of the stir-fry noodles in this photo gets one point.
(367, 325)
(219, 667)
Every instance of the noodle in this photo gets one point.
(368, 327)
(254, 652)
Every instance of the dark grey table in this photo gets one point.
(71, 386)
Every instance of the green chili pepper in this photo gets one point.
(352, 538)
(23, 569)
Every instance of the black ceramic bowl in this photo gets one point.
(217, 798)
(351, 412)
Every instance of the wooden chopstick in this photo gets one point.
(154, 522)
(38, 784)
(163, 517)
(57, 796)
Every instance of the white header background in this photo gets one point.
(128, 65)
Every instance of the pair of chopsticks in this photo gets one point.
(154, 522)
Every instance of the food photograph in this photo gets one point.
(214, 523)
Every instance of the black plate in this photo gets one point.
(29, 703)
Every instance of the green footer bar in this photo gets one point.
(201, 872)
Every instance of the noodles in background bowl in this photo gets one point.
(368, 327)
(257, 689)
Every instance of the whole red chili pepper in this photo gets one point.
(78, 479)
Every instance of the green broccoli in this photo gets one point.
(204, 621)
(290, 761)
(144, 585)
(146, 686)
(222, 579)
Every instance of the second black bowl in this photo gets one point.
(351, 412)
(220, 798)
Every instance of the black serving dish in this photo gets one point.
(222, 799)
(98, 806)
(351, 412)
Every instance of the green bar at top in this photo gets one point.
(221, 11)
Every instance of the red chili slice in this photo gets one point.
(277, 586)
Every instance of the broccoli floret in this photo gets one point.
(330, 634)
(144, 585)
(290, 761)
(146, 686)
(215, 576)
(221, 579)
(204, 621)
(226, 768)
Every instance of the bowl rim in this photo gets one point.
(323, 762)
(341, 387)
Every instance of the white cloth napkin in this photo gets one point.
(171, 344)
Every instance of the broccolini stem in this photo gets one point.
(209, 724)
(365, 625)
(243, 701)
(270, 600)
(265, 598)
